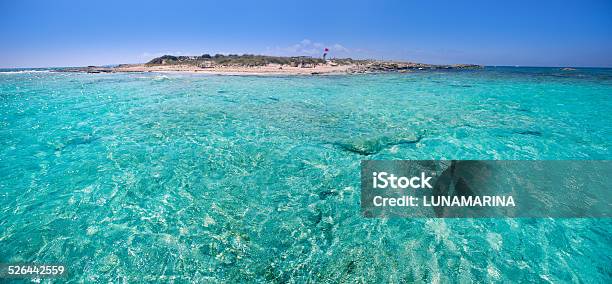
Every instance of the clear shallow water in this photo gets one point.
(217, 178)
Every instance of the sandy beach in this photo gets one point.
(270, 69)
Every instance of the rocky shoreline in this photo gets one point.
(259, 64)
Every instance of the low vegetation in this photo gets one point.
(249, 60)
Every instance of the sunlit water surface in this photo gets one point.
(202, 178)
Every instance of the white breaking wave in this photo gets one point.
(24, 71)
(161, 78)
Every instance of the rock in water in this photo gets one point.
(369, 146)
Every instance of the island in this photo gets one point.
(234, 64)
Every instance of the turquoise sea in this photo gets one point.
(202, 178)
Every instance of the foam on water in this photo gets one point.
(232, 178)
(24, 72)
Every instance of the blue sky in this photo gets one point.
(506, 32)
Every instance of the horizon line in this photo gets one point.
(513, 66)
(310, 56)
(389, 60)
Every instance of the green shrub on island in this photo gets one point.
(248, 60)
